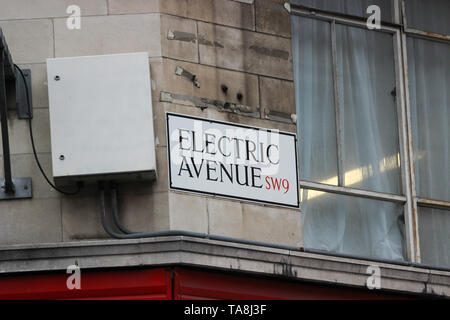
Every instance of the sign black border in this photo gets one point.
(219, 194)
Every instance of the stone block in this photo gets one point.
(245, 51)
(250, 121)
(225, 12)
(109, 35)
(30, 41)
(179, 38)
(25, 166)
(30, 221)
(19, 133)
(225, 218)
(277, 95)
(26, 9)
(144, 212)
(132, 6)
(81, 219)
(272, 17)
(271, 224)
(188, 212)
(213, 82)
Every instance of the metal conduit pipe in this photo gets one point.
(127, 234)
(134, 235)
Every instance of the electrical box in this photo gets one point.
(101, 120)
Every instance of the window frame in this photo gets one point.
(408, 198)
(417, 201)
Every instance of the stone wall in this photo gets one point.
(242, 45)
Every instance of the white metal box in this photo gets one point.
(101, 119)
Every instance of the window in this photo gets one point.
(364, 187)
(351, 7)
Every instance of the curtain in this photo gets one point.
(434, 234)
(429, 86)
(368, 131)
(429, 15)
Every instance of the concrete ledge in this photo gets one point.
(221, 255)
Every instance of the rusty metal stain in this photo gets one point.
(436, 35)
(278, 116)
(276, 53)
(181, 36)
(204, 103)
(445, 205)
(416, 234)
(201, 40)
(218, 44)
(187, 75)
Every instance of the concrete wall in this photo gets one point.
(244, 45)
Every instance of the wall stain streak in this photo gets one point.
(276, 53)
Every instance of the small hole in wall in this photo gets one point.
(224, 89)
(240, 96)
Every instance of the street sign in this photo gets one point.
(231, 160)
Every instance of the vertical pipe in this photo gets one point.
(8, 186)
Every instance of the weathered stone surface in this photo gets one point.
(19, 133)
(30, 221)
(30, 41)
(26, 9)
(272, 17)
(81, 218)
(188, 212)
(132, 6)
(277, 95)
(250, 121)
(179, 38)
(225, 218)
(245, 51)
(273, 225)
(226, 12)
(109, 35)
(25, 166)
(213, 82)
(144, 212)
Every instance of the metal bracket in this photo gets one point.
(21, 96)
(179, 71)
(10, 89)
(22, 189)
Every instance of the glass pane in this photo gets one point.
(350, 225)
(429, 15)
(429, 83)
(313, 72)
(434, 234)
(369, 126)
(352, 7)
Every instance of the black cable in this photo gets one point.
(32, 141)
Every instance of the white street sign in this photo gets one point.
(231, 160)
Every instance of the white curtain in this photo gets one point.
(369, 135)
(429, 15)
(429, 86)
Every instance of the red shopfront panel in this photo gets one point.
(157, 284)
(195, 284)
(151, 284)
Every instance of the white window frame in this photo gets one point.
(399, 30)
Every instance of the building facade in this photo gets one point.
(367, 100)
